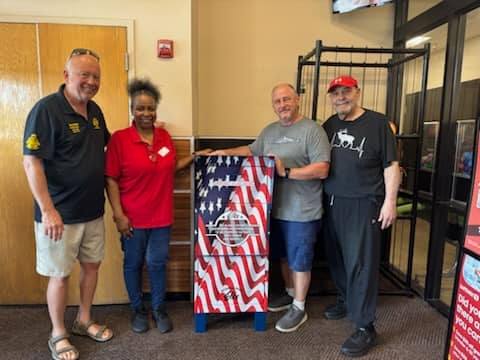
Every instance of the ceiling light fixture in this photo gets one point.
(417, 40)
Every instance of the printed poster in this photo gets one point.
(465, 337)
(472, 237)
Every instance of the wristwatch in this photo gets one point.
(287, 172)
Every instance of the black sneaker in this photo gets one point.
(336, 311)
(140, 320)
(361, 341)
(164, 324)
(280, 303)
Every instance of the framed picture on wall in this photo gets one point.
(462, 173)
(429, 145)
(464, 147)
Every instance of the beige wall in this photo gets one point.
(247, 46)
(416, 7)
(170, 19)
(470, 69)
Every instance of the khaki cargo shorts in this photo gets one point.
(82, 241)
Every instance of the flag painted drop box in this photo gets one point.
(233, 197)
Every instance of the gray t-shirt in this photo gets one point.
(303, 143)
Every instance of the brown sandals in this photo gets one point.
(57, 354)
(82, 329)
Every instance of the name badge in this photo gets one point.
(163, 151)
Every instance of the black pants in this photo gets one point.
(352, 237)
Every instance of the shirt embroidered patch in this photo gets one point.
(96, 123)
(74, 127)
(32, 142)
(163, 151)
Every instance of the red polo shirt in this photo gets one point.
(144, 174)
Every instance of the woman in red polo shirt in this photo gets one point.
(140, 166)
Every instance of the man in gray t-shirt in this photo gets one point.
(302, 158)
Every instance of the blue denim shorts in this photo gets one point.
(295, 241)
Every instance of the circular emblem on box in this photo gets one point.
(232, 228)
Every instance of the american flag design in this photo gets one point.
(233, 197)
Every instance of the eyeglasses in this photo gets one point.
(82, 51)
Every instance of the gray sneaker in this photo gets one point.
(292, 320)
(280, 303)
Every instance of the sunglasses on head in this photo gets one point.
(82, 51)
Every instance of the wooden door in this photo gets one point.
(19, 90)
(55, 42)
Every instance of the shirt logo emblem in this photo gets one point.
(285, 140)
(32, 142)
(74, 127)
(96, 123)
(163, 151)
(342, 139)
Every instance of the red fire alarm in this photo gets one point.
(165, 49)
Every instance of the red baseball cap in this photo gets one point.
(343, 80)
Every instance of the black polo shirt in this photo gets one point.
(72, 149)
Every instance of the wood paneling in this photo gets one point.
(182, 211)
(178, 270)
(182, 178)
(179, 263)
(19, 91)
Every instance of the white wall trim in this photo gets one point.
(183, 137)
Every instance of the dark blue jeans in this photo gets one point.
(150, 245)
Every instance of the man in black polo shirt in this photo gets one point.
(64, 141)
(361, 196)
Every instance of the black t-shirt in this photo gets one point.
(361, 150)
(72, 150)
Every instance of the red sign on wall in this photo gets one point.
(465, 337)
(472, 237)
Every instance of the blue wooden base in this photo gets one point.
(200, 323)
(259, 322)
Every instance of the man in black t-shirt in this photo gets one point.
(360, 194)
(64, 141)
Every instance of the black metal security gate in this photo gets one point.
(383, 75)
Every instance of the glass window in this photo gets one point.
(410, 123)
(427, 161)
(468, 104)
(401, 240)
(455, 228)
(416, 7)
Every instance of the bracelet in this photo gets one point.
(287, 172)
